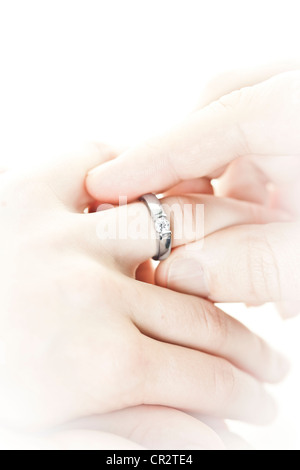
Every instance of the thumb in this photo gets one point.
(250, 263)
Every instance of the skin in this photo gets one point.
(141, 427)
(81, 336)
(245, 132)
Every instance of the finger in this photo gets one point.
(286, 197)
(128, 231)
(244, 181)
(264, 180)
(232, 80)
(192, 381)
(66, 175)
(245, 178)
(155, 427)
(146, 272)
(262, 120)
(251, 264)
(195, 186)
(222, 85)
(198, 324)
(288, 309)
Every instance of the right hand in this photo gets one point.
(247, 129)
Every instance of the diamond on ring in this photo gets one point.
(162, 226)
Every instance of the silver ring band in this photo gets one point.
(162, 226)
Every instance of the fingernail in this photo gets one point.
(187, 275)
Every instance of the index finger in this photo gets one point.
(261, 120)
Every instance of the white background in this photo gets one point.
(122, 70)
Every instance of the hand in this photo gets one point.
(253, 121)
(80, 336)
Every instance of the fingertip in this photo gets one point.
(102, 183)
(161, 274)
(288, 309)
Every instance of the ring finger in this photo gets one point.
(128, 232)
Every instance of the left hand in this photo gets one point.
(82, 337)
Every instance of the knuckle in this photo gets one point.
(214, 324)
(201, 316)
(196, 316)
(117, 356)
(185, 320)
(231, 104)
(24, 188)
(27, 196)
